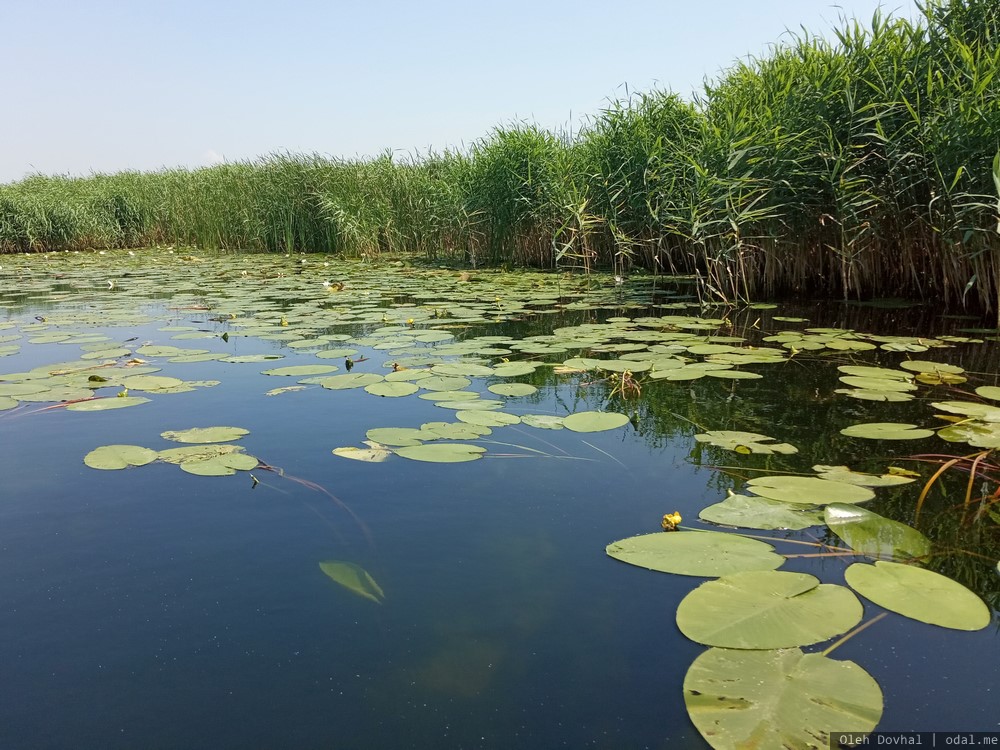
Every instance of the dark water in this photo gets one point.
(149, 608)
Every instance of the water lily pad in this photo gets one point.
(151, 383)
(594, 421)
(374, 453)
(744, 442)
(104, 404)
(349, 380)
(931, 367)
(445, 453)
(870, 534)
(205, 434)
(119, 456)
(763, 609)
(486, 418)
(197, 452)
(300, 370)
(354, 578)
(396, 436)
(512, 389)
(991, 392)
(976, 434)
(919, 594)
(886, 431)
(752, 512)
(391, 389)
(223, 465)
(542, 421)
(808, 490)
(844, 474)
(778, 698)
(695, 553)
(455, 430)
(444, 383)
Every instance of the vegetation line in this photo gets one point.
(863, 166)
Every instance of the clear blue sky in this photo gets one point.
(102, 85)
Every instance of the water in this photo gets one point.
(153, 608)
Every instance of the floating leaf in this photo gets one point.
(119, 456)
(205, 434)
(779, 698)
(931, 367)
(752, 512)
(299, 370)
(444, 453)
(594, 421)
(374, 453)
(104, 404)
(354, 578)
(223, 465)
(991, 392)
(976, 434)
(844, 474)
(886, 431)
(808, 490)
(392, 389)
(695, 553)
(285, 389)
(197, 452)
(542, 421)
(486, 418)
(763, 609)
(984, 412)
(396, 436)
(349, 380)
(873, 535)
(744, 442)
(151, 383)
(455, 430)
(512, 389)
(919, 594)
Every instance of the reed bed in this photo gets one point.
(860, 166)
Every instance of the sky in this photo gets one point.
(102, 86)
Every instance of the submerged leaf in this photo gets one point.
(778, 698)
(354, 578)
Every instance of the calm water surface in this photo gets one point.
(152, 608)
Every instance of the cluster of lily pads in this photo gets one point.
(210, 454)
(755, 685)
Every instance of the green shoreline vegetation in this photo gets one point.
(863, 166)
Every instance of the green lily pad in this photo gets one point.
(695, 553)
(455, 430)
(104, 404)
(444, 383)
(991, 392)
(870, 534)
(512, 389)
(868, 395)
(223, 465)
(983, 412)
(923, 366)
(594, 421)
(350, 380)
(976, 434)
(763, 609)
(919, 594)
(752, 512)
(542, 421)
(443, 453)
(886, 431)
(396, 436)
(392, 389)
(808, 490)
(205, 434)
(151, 383)
(744, 442)
(300, 370)
(486, 418)
(6, 402)
(778, 698)
(197, 452)
(354, 578)
(374, 453)
(844, 474)
(119, 456)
